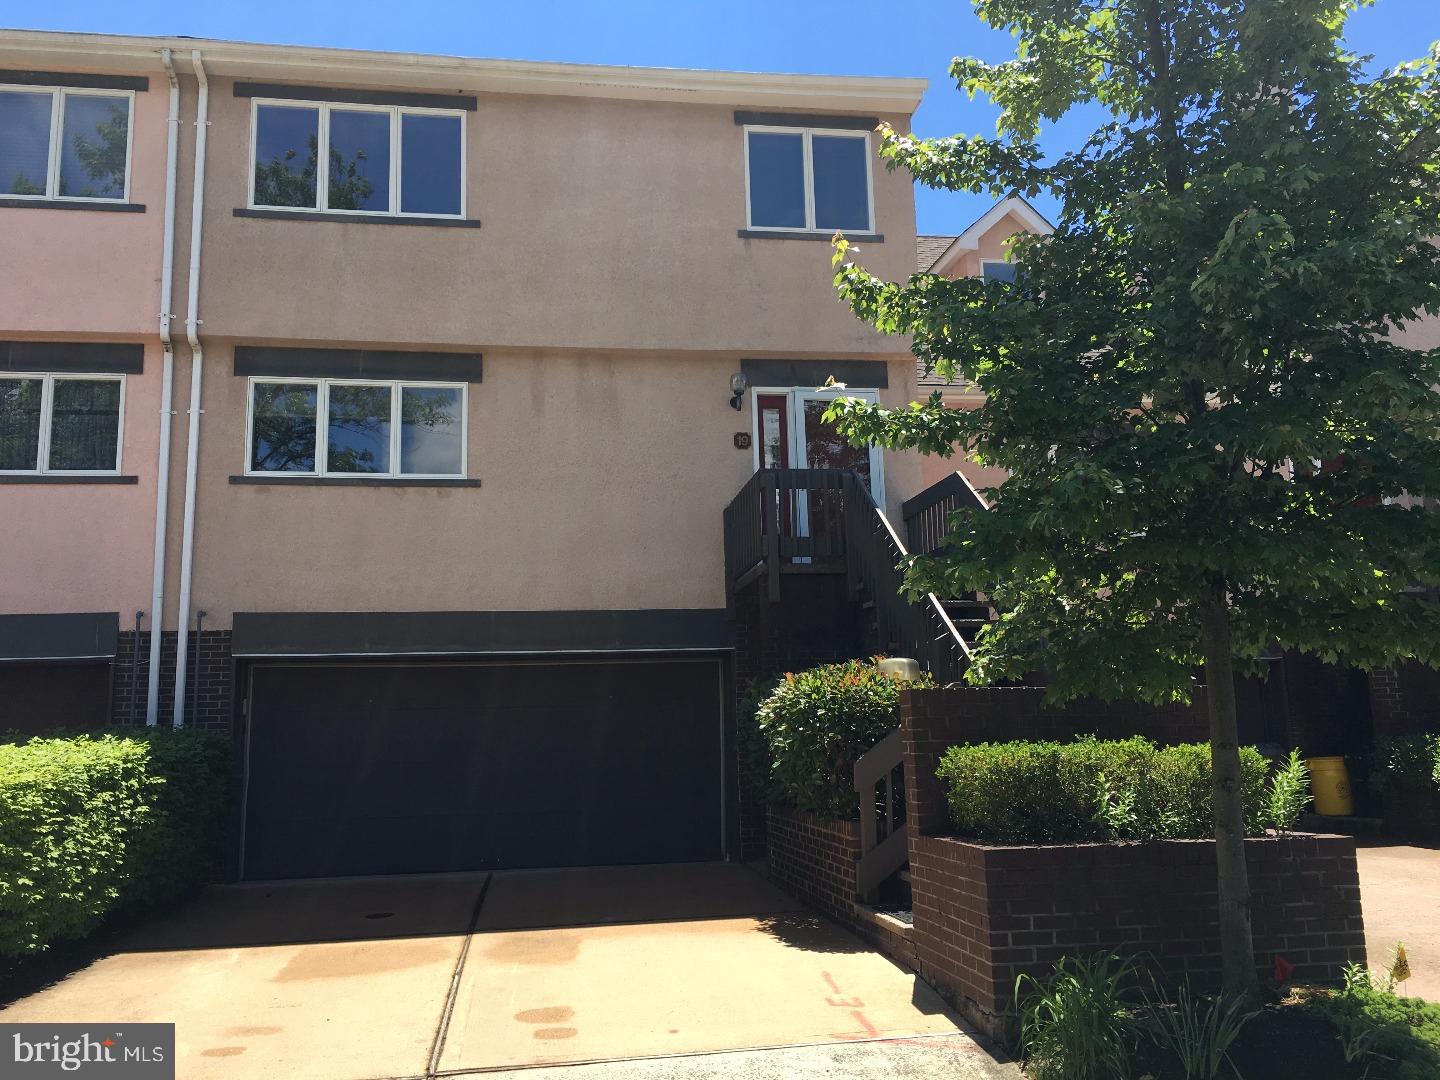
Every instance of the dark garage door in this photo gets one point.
(413, 768)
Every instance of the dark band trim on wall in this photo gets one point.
(79, 79)
(364, 219)
(357, 364)
(72, 357)
(351, 96)
(281, 480)
(475, 633)
(67, 478)
(856, 374)
(73, 204)
(802, 234)
(814, 120)
(87, 635)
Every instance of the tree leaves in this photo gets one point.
(1199, 378)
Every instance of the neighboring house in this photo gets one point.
(421, 371)
(982, 250)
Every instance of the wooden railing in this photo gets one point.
(927, 516)
(884, 838)
(825, 516)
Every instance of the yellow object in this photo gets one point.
(1330, 784)
(1400, 971)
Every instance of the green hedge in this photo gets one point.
(92, 824)
(1406, 776)
(817, 724)
(1089, 790)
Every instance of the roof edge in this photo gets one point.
(303, 63)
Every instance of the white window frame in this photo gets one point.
(994, 262)
(396, 114)
(795, 398)
(807, 135)
(322, 427)
(58, 94)
(48, 379)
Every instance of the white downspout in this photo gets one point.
(167, 389)
(197, 371)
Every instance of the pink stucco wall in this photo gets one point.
(76, 275)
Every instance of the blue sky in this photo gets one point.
(877, 37)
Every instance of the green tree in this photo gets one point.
(1214, 440)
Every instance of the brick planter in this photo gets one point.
(984, 914)
(814, 859)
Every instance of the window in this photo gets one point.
(62, 143)
(358, 159)
(997, 270)
(60, 423)
(812, 180)
(347, 427)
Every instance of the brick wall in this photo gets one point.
(814, 860)
(209, 661)
(814, 622)
(1405, 699)
(986, 914)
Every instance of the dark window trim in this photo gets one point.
(286, 480)
(299, 363)
(807, 120)
(856, 374)
(78, 79)
(806, 234)
(368, 219)
(67, 478)
(350, 96)
(116, 207)
(476, 633)
(90, 635)
(72, 357)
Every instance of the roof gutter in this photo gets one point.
(197, 373)
(167, 388)
(318, 66)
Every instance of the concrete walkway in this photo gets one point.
(678, 971)
(1400, 894)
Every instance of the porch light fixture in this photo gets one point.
(738, 385)
(898, 668)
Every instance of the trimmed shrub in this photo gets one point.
(1089, 790)
(1406, 777)
(817, 724)
(93, 824)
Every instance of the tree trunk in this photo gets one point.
(1237, 949)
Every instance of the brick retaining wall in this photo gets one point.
(814, 859)
(985, 914)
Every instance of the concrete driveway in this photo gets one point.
(1400, 895)
(675, 971)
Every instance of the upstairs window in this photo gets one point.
(60, 423)
(998, 270)
(808, 179)
(64, 143)
(338, 427)
(358, 159)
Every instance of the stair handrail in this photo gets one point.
(884, 836)
(928, 515)
(876, 557)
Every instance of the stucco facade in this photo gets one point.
(604, 274)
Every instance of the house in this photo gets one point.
(382, 409)
(980, 251)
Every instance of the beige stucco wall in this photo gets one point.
(603, 475)
(88, 547)
(91, 273)
(606, 224)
